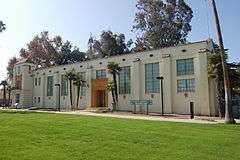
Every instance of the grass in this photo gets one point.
(41, 136)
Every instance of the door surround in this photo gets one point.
(99, 89)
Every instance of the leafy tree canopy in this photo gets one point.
(109, 44)
(161, 23)
(10, 66)
(44, 51)
(2, 26)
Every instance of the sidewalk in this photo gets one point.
(129, 115)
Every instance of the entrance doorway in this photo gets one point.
(99, 94)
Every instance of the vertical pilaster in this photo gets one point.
(165, 72)
(43, 93)
(56, 88)
(89, 91)
(136, 80)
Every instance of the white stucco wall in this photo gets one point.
(174, 102)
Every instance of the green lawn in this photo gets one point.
(43, 136)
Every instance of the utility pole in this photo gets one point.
(227, 90)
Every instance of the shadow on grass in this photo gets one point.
(14, 112)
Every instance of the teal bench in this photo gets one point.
(140, 102)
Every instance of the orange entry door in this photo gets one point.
(101, 98)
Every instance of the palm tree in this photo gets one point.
(4, 83)
(111, 88)
(9, 89)
(215, 72)
(80, 82)
(70, 76)
(114, 69)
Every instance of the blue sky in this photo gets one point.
(74, 20)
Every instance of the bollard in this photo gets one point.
(192, 110)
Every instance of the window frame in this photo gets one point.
(64, 82)
(50, 88)
(189, 85)
(83, 90)
(126, 82)
(35, 81)
(102, 74)
(39, 81)
(185, 66)
(152, 84)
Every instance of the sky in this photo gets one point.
(74, 20)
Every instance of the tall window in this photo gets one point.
(64, 86)
(186, 85)
(185, 67)
(18, 70)
(100, 74)
(39, 81)
(35, 81)
(50, 86)
(83, 89)
(151, 82)
(124, 81)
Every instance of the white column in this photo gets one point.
(89, 90)
(165, 72)
(56, 88)
(136, 80)
(43, 89)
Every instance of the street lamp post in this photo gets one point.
(59, 92)
(161, 81)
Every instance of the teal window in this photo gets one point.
(185, 67)
(50, 86)
(64, 86)
(39, 99)
(186, 85)
(124, 80)
(83, 89)
(35, 81)
(151, 81)
(39, 81)
(100, 74)
(19, 70)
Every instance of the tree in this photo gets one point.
(9, 89)
(70, 76)
(94, 48)
(45, 51)
(161, 23)
(4, 84)
(2, 26)
(215, 71)
(111, 88)
(67, 55)
(109, 44)
(113, 68)
(10, 67)
(79, 82)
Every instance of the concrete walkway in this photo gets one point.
(129, 115)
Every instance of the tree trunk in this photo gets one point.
(9, 96)
(70, 93)
(115, 88)
(114, 101)
(220, 97)
(228, 98)
(4, 95)
(78, 94)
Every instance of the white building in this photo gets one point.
(183, 67)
